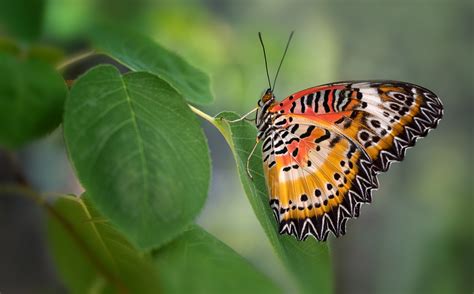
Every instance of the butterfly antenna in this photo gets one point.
(265, 57)
(282, 58)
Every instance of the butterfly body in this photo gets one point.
(324, 146)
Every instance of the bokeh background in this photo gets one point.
(417, 236)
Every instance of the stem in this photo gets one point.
(217, 123)
(203, 115)
(74, 58)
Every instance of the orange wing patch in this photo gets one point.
(317, 183)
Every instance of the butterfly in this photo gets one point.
(324, 146)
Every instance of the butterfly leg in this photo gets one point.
(248, 160)
(243, 117)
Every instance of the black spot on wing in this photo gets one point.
(316, 101)
(326, 100)
(282, 151)
(293, 106)
(308, 132)
(294, 128)
(324, 137)
(302, 104)
(309, 100)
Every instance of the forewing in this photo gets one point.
(383, 117)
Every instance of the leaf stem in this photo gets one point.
(216, 121)
(203, 114)
(74, 58)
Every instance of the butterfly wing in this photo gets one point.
(329, 144)
(317, 180)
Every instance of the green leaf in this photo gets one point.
(139, 151)
(140, 53)
(308, 261)
(22, 18)
(196, 262)
(32, 95)
(104, 261)
(91, 256)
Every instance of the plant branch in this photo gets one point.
(74, 58)
(217, 122)
(203, 114)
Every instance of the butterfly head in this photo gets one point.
(265, 117)
(267, 96)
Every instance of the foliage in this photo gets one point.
(139, 151)
(90, 254)
(32, 94)
(388, 249)
(308, 262)
(105, 261)
(142, 54)
(148, 169)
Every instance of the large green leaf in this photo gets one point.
(32, 96)
(139, 152)
(308, 261)
(91, 256)
(22, 18)
(196, 262)
(140, 53)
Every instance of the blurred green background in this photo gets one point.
(417, 236)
